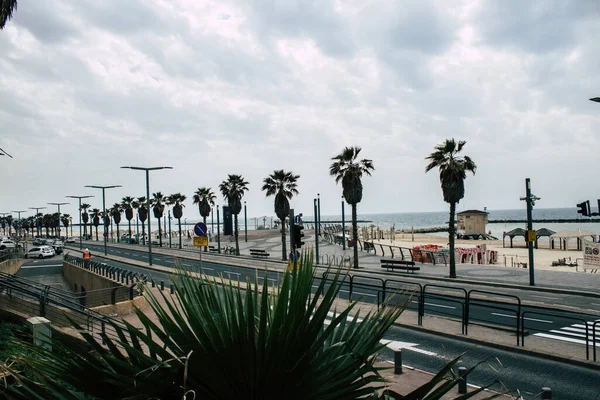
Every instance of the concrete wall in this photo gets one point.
(11, 266)
(99, 290)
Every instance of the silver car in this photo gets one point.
(40, 252)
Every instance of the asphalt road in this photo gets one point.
(430, 352)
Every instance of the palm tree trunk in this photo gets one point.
(237, 245)
(179, 221)
(355, 235)
(96, 233)
(451, 240)
(143, 234)
(129, 221)
(159, 234)
(283, 248)
(204, 220)
(118, 235)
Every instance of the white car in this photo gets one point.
(7, 244)
(40, 252)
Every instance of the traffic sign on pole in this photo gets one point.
(200, 241)
(200, 229)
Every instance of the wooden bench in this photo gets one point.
(368, 246)
(399, 264)
(259, 253)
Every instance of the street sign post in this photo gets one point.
(531, 235)
(200, 241)
(200, 229)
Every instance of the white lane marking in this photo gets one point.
(439, 305)
(545, 297)
(229, 272)
(203, 268)
(565, 339)
(567, 333)
(41, 266)
(578, 330)
(590, 324)
(528, 319)
(364, 294)
(397, 345)
(595, 304)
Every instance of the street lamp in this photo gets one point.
(148, 203)
(343, 226)
(58, 204)
(4, 153)
(37, 211)
(596, 99)
(104, 209)
(19, 220)
(530, 200)
(79, 197)
(245, 223)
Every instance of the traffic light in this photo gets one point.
(298, 235)
(584, 208)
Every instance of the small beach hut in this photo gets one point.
(564, 237)
(472, 221)
(512, 234)
(543, 233)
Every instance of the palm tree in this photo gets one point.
(140, 205)
(349, 170)
(233, 190)
(283, 185)
(3, 224)
(127, 206)
(85, 217)
(96, 220)
(66, 219)
(47, 223)
(55, 223)
(453, 172)
(158, 209)
(9, 222)
(205, 199)
(176, 200)
(116, 211)
(7, 7)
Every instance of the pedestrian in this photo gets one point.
(86, 258)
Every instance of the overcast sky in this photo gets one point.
(246, 87)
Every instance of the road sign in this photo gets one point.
(105, 234)
(200, 241)
(200, 229)
(531, 235)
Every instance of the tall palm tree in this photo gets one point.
(349, 170)
(65, 219)
(453, 172)
(158, 208)
(85, 217)
(140, 205)
(233, 190)
(127, 206)
(116, 211)
(283, 185)
(205, 198)
(9, 222)
(177, 200)
(96, 220)
(7, 7)
(55, 223)
(3, 224)
(47, 223)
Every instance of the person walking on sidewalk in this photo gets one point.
(86, 258)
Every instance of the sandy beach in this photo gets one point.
(543, 256)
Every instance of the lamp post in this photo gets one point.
(19, 220)
(4, 153)
(148, 202)
(245, 223)
(104, 209)
(316, 234)
(58, 204)
(80, 237)
(37, 211)
(169, 211)
(530, 199)
(596, 99)
(319, 212)
(343, 227)
(218, 232)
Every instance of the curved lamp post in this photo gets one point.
(80, 238)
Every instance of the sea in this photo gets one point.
(438, 219)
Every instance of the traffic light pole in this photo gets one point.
(316, 233)
(530, 199)
(292, 239)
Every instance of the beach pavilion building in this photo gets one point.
(472, 222)
(563, 238)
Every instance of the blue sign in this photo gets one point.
(200, 229)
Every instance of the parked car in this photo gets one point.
(71, 240)
(40, 252)
(57, 245)
(7, 244)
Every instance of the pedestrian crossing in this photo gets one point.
(575, 333)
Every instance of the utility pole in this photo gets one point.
(104, 216)
(530, 199)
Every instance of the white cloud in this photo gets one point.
(219, 87)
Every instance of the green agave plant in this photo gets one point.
(222, 340)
